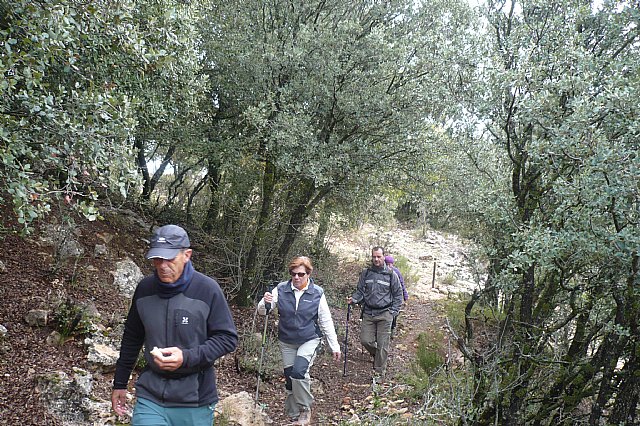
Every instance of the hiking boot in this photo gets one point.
(305, 418)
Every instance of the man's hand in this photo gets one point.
(119, 401)
(268, 297)
(349, 300)
(336, 356)
(168, 359)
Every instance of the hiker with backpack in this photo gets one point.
(389, 260)
(304, 319)
(380, 294)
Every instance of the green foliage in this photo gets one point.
(449, 279)
(292, 138)
(71, 319)
(408, 273)
(454, 311)
(427, 364)
(428, 358)
(88, 83)
(63, 127)
(550, 190)
(249, 351)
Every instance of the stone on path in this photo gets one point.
(240, 408)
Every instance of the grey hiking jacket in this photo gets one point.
(378, 291)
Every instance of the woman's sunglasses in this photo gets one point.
(299, 274)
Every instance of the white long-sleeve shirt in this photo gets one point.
(325, 322)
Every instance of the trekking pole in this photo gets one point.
(267, 306)
(346, 335)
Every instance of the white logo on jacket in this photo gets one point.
(185, 320)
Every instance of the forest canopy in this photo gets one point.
(514, 123)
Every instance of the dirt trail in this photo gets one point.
(446, 253)
(422, 314)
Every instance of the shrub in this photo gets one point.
(454, 311)
(71, 319)
(428, 362)
(449, 279)
(428, 359)
(247, 358)
(410, 276)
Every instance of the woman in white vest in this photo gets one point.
(304, 319)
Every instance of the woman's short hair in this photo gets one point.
(301, 261)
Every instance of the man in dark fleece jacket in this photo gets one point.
(380, 294)
(182, 318)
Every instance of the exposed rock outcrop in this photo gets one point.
(240, 409)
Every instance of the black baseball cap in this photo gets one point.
(167, 241)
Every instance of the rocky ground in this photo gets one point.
(34, 277)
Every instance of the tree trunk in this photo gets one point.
(318, 248)
(625, 407)
(294, 224)
(213, 181)
(143, 167)
(196, 190)
(252, 264)
(150, 182)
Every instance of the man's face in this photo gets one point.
(170, 270)
(377, 258)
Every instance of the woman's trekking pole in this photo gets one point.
(267, 306)
(346, 335)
